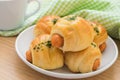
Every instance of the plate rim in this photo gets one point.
(64, 75)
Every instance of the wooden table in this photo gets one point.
(13, 68)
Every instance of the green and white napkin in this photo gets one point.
(105, 12)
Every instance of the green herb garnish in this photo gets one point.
(71, 18)
(34, 48)
(39, 46)
(96, 30)
(93, 44)
(48, 44)
(54, 21)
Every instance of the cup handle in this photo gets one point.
(32, 8)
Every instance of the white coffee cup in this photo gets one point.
(12, 13)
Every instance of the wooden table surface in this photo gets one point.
(13, 68)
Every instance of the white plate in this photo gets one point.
(22, 44)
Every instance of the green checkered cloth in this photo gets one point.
(105, 12)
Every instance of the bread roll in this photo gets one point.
(44, 55)
(76, 32)
(45, 24)
(84, 61)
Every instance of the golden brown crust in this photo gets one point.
(84, 61)
(44, 25)
(100, 35)
(77, 33)
(44, 55)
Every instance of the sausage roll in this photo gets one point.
(84, 61)
(72, 33)
(44, 55)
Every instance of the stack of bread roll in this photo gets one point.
(70, 40)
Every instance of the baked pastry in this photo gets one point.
(100, 36)
(72, 33)
(44, 55)
(45, 24)
(84, 61)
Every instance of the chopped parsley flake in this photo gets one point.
(48, 44)
(96, 30)
(39, 46)
(71, 18)
(93, 44)
(54, 21)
